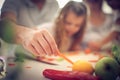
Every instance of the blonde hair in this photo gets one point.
(80, 10)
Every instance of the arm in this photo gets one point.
(109, 38)
(98, 45)
(38, 42)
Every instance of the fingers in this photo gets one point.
(94, 46)
(34, 48)
(31, 49)
(42, 43)
(51, 42)
(38, 48)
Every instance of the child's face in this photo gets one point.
(73, 23)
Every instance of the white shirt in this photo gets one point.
(98, 33)
(28, 13)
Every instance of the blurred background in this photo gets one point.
(1, 3)
(61, 3)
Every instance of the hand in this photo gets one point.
(95, 45)
(75, 48)
(39, 42)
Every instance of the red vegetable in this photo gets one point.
(67, 75)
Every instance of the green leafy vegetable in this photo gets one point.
(116, 53)
(20, 57)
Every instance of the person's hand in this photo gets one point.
(39, 42)
(75, 48)
(95, 45)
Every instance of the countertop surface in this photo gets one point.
(31, 69)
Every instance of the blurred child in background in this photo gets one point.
(69, 26)
(99, 27)
(115, 5)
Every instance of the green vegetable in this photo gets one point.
(60, 59)
(20, 55)
(6, 31)
(116, 53)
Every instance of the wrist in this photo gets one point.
(20, 33)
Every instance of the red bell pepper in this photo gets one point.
(67, 75)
